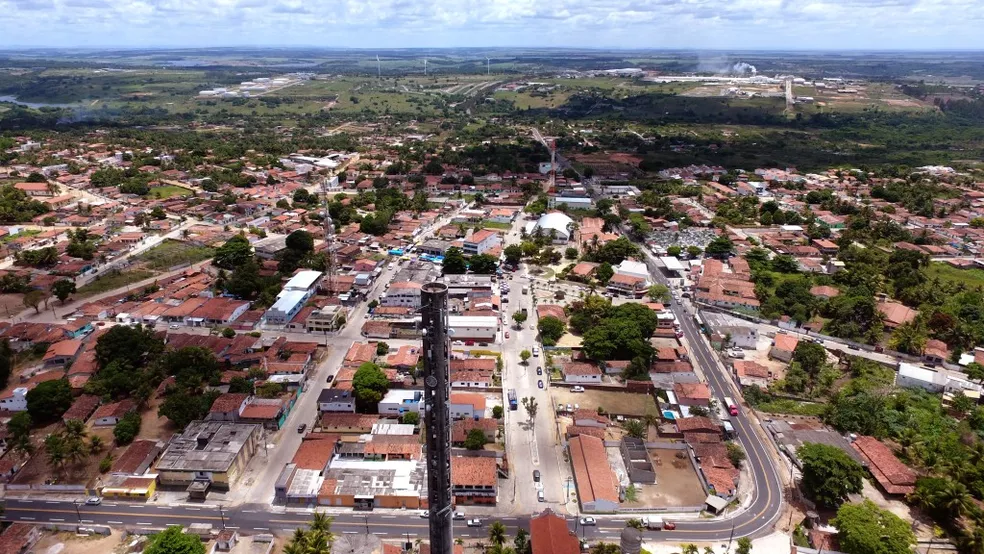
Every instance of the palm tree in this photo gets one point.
(973, 541)
(955, 499)
(497, 533)
(708, 550)
(689, 549)
(95, 444)
(74, 429)
(635, 523)
(909, 439)
(78, 451)
(320, 521)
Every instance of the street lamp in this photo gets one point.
(77, 512)
(222, 515)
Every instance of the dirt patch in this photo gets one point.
(70, 543)
(153, 426)
(11, 305)
(676, 485)
(624, 403)
(38, 471)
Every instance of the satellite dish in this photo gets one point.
(431, 381)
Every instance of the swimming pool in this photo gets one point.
(670, 415)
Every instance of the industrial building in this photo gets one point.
(291, 299)
(480, 328)
(208, 454)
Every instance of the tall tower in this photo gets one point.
(437, 413)
(329, 282)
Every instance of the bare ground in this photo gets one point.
(70, 543)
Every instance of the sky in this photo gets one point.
(688, 24)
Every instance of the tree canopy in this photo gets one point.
(867, 529)
(829, 474)
(369, 384)
(235, 252)
(48, 400)
(174, 541)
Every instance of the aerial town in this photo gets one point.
(521, 339)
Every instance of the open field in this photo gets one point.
(622, 403)
(676, 485)
(171, 253)
(971, 278)
(168, 191)
(70, 543)
(113, 280)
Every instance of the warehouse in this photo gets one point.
(480, 328)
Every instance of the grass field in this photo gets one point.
(791, 407)
(972, 278)
(168, 191)
(496, 225)
(113, 280)
(171, 253)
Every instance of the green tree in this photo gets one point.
(658, 293)
(519, 317)
(454, 262)
(551, 329)
(190, 365)
(744, 546)
(604, 273)
(235, 252)
(521, 541)
(634, 428)
(382, 349)
(829, 475)
(49, 400)
(497, 533)
(182, 408)
(62, 289)
(497, 412)
(476, 439)
(129, 345)
(33, 298)
(19, 428)
(525, 355)
(228, 333)
(174, 541)
(513, 254)
(811, 356)
(410, 418)
(483, 264)
(674, 251)
(867, 529)
(127, 429)
(570, 253)
(6, 362)
(369, 384)
(694, 251)
(720, 247)
(270, 389)
(531, 407)
(736, 453)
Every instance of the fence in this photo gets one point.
(45, 488)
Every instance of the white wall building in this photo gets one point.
(633, 269)
(286, 307)
(335, 400)
(480, 242)
(402, 293)
(480, 328)
(15, 401)
(399, 402)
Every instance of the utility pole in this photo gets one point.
(77, 512)
(222, 515)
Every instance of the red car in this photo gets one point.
(669, 525)
(469, 343)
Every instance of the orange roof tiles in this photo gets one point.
(549, 534)
(594, 475)
(894, 476)
(467, 471)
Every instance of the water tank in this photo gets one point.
(630, 541)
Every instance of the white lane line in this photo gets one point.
(26, 501)
(86, 521)
(144, 524)
(115, 522)
(389, 517)
(602, 531)
(27, 518)
(261, 528)
(231, 527)
(52, 502)
(350, 532)
(250, 511)
(194, 509)
(56, 519)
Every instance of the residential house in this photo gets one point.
(335, 400)
(474, 480)
(597, 485)
(581, 372)
(783, 347)
(111, 414)
(893, 476)
(480, 242)
(549, 534)
(227, 407)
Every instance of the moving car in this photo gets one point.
(507, 334)
(474, 523)
(301, 427)
(459, 515)
(93, 501)
(539, 370)
(424, 514)
(588, 521)
(331, 378)
(536, 474)
(539, 384)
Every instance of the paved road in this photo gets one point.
(768, 494)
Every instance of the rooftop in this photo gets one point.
(207, 446)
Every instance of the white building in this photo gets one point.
(15, 401)
(633, 269)
(306, 280)
(577, 202)
(467, 405)
(335, 400)
(402, 293)
(933, 380)
(480, 242)
(480, 328)
(399, 402)
(286, 307)
(554, 223)
(581, 372)
(743, 333)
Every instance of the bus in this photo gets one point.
(699, 322)
(513, 401)
(732, 406)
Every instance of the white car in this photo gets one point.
(577, 389)
(93, 501)
(474, 523)
(588, 521)
(459, 515)
(424, 514)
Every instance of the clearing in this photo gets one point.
(628, 404)
(172, 253)
(112, 281)
(972, 278)
(70, 543)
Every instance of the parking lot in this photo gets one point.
(622, 403)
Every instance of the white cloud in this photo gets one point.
(732, 24)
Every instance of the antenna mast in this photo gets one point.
(329, 243)
(425, 67)
(379, 68)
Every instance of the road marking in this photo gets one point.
(194, 509)
(144, 524)
(87, 521)
(231, 527)
(52, 502)
(115, 522)
(27, 518)
(57, 519)
(261, 528)
(250, 511)
(389, 517)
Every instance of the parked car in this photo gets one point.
(536, 475)
(539, 370)
(560, 407)
(540, 497)
(577, 389)
(474, 523)
(331, 378)
(539, 384)
(301, 427)
(459, 515)
(93, 501)
(570, 408)
(507, 334)
(424, 514)
(588, 521)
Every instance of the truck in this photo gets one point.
(732, 406)
(652, 522)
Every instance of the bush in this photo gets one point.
(497, 412)
(106, 464)
(127, 429)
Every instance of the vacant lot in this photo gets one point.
(614, 402)
(972, 278)
(113, 280)
(70, 543)
(168, 191)
(676, 482)
(172, 252)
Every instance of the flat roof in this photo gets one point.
(304, 280)
(288, 299)
(473, 321)
(206, 446)
(671, 263)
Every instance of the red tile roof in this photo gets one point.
(595, 478)
(581, 368)
(894, 476)
(116, 409)
(228, 402)
(696, 423)
(549, 535)
(315, 454)
(470, 471)
(786, 343)
(134, 455)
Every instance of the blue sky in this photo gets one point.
(699, 24)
